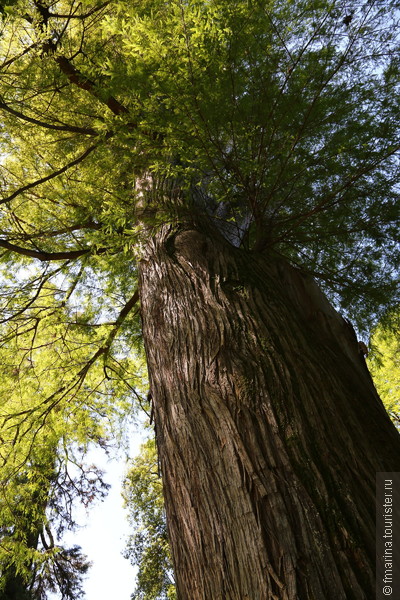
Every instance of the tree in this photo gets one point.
(48, 423)
(31, 562)
(148, 548)
(214, 159)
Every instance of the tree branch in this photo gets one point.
(48, 256)
(9, 62)
(69, 128)
(26, 237)
(335, 196)
(104, 350)
(33, 184)
(84, 83)
(73, 74)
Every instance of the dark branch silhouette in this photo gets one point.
(48, 256)
(69, 128)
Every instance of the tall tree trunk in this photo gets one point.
(268, 425)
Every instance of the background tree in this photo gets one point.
(213, 159)
(148, 547)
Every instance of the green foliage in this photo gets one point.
(148, 546)
(384, 364)
(35, 498)
(6, 5)
(282, 110)
(55, 403)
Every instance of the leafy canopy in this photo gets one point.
(286, 112)
(384, 364)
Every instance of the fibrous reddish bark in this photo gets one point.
(268, 425)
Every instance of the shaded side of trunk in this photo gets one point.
(268, 425)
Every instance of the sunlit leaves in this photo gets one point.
(384, 364)
(50, 367)
(276, 119)
(63, 390)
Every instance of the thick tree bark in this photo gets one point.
(268, 425)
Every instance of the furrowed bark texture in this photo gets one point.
(268, 425)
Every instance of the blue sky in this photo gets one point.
(111, 576)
